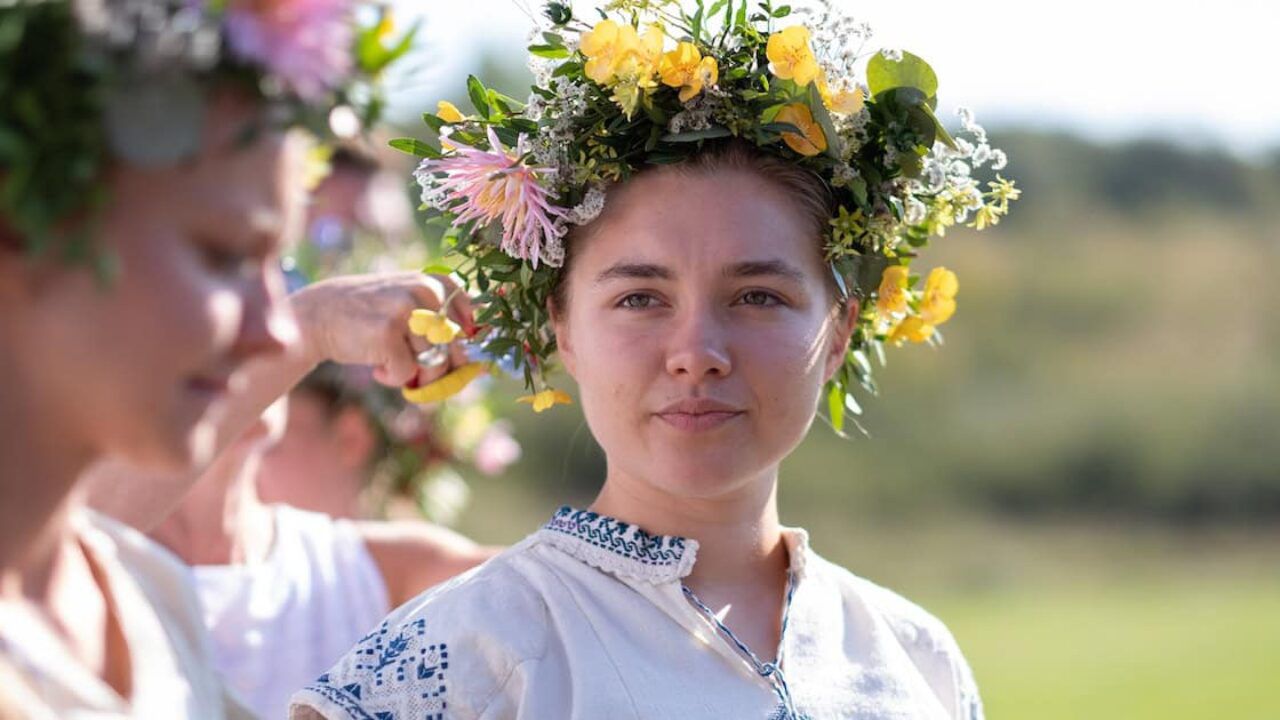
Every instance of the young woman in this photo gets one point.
(274, 580)
(699, 218)
(198, 193)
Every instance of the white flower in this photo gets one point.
(981, 155)
(844, 175)
(999, 160)
(916, 211)
(892, 55)
(590, 207)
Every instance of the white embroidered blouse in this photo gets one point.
(588, 618)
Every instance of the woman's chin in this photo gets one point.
(703, 475)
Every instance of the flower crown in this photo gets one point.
(88, 81)
(654, 82)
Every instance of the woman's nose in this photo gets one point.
(697, 346)
(268, 325)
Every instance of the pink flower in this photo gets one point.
(496, 451)
(305, 43)
(491, 185)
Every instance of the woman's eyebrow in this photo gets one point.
(633, 270)
(759, 268)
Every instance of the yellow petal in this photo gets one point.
(447, 386)
(436, 328)
(600, 37)
(791, 57)
(892, 297)
(813, 141)
(546, 399)
(847, 102)
(678, 66)
(911, 328)
(448, 112)
(938, 304)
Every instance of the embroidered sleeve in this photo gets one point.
(393, 672)
(443, 656)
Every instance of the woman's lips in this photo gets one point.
(697, 422)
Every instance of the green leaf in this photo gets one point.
(885, 74)
(414, 146)
(479, 96)
(835, 406)
(942, 134)
(835, 146)
(437, 269)
(550, 52)
(696, 135)
(780, 127)
(433, 121)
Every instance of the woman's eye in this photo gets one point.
(760, 297)
(227, 262)
(636, 301)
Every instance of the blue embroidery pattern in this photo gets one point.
(393, 661)
(618, 537)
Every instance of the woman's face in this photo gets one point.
(142, 369)
(700, 330)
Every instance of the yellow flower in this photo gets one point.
(985, 217)
(546, 399)
(609, 46)
(630, 84)
(648, 49)
(938, 303)
(316, 166)
(845, 229)
(447, 386)
(386, 25)
(814, 141)
(791, 57)
(605, 45)
(892, 296)
(448, 112)
(685, 68)
(435, 327)
(842, 102)
(1004, 191)
(911, 328)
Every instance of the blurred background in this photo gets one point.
(1083, 482)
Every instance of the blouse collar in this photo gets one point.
(626, 550)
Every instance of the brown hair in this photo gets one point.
(805, 188)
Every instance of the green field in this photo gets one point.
(1172, 649)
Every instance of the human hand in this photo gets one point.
(364, 320)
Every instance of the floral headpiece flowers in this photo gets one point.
(88, 81)
(653, 82)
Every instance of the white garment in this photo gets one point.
(278, 624)
(159, 615)
(587, 619)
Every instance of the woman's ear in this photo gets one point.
(844, 322)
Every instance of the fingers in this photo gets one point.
(401, 364)
(433, 290)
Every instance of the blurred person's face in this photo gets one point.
(700, 330)
(321, 461)
(141, 369)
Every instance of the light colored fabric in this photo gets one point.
(587, 619)
(278, 624)
(159, 616)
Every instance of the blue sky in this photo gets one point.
(1203, 73)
